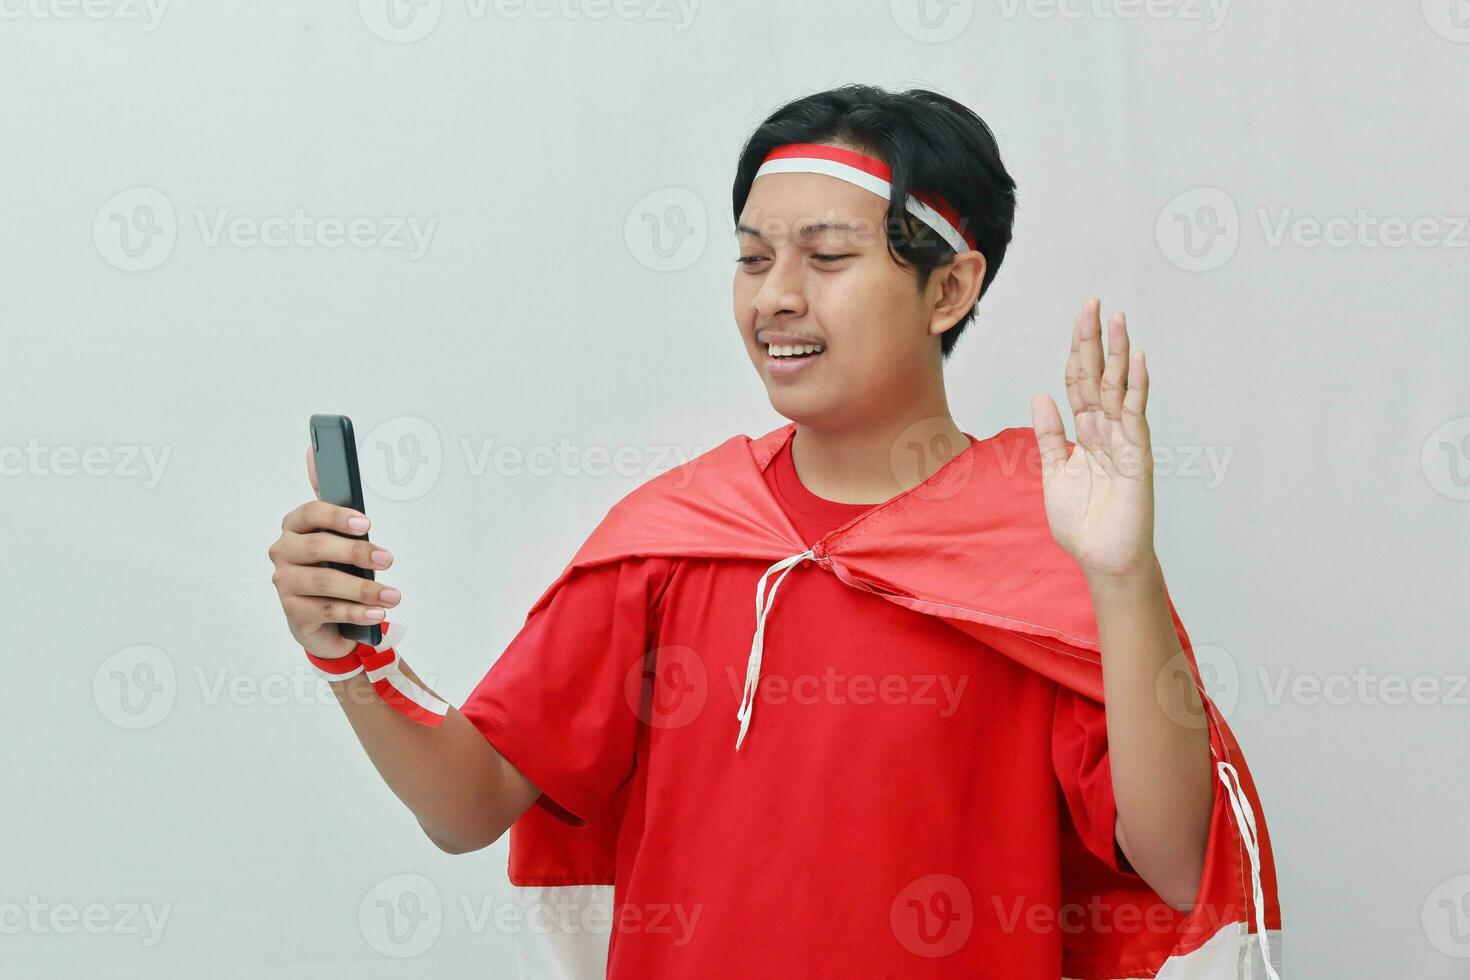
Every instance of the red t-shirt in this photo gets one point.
(899, 807)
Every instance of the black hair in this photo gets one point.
(931, 143)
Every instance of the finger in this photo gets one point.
(1069, 376)
(1135, 424)
(330, 583)
(1089, 372)
(1051, 437)
(320, 546)
(314, 610)
(311, 471)
(317, 515)
(1115, 374)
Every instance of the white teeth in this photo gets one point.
(787, 350)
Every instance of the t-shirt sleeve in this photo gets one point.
(1079, 749)
(556, 703)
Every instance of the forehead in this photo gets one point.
(782, 207)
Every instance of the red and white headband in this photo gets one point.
(870, 174)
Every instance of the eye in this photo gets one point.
(750, 259)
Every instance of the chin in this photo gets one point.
(801, 407)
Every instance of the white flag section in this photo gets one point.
(566, 932)
(1233, 953)
(554, 945)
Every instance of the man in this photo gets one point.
(902, 768)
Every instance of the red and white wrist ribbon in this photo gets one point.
(399, 691)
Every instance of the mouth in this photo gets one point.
(786, 359)
(794, 350)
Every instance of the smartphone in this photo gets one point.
(338, 482)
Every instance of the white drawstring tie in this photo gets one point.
(757, 645)
(1245, 819)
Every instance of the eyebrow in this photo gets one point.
(805, 231)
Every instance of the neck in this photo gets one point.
(879, 459)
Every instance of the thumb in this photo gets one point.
(311, 471)
(1051, 437)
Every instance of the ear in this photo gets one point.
(958, 287)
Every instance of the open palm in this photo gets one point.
(1099, 493)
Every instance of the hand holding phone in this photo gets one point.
(338, 482)
(330, 611)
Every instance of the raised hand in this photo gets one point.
(1099, 493)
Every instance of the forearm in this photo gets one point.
(1162, 777)
(461, 790)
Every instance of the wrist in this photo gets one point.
(1143, 575)
(328, 643)
(385, 672)
(338, 668)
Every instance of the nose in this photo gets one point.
(782, 289)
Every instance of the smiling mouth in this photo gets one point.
(793, 352)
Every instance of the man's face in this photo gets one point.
(799, 279)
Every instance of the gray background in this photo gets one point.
(167, 750)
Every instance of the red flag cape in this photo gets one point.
(971, 545)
